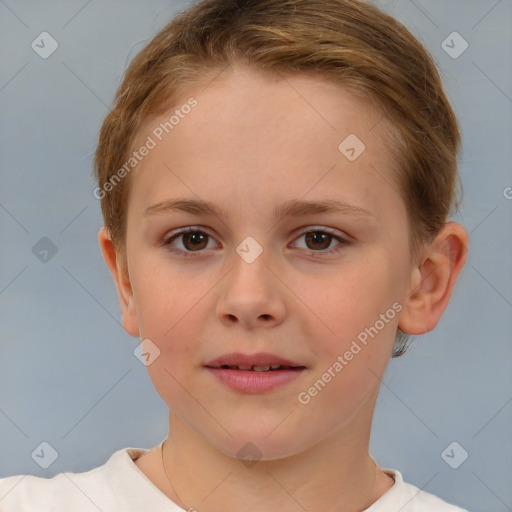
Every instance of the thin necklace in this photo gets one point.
(185, 507)
(373, 485)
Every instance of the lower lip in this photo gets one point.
(251, 382)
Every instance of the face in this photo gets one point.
(269, 275)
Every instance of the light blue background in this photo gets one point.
(68, 375)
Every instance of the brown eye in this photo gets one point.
(318, 240)
(189, 241)
(195, 241)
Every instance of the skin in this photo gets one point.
(252, 143)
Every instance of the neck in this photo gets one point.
(337, 474)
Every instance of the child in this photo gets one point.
(276, 178)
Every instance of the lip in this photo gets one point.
(259, 359)
(250, 381)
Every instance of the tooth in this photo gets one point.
(261, 368)
(275, 366)
(244, 367)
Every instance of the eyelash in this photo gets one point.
(167, 242)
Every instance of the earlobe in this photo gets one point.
(119, 272)
(433, 281)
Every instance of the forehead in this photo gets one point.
(265, 135)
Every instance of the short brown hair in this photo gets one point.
(347, 42)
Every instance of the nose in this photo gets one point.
(252, 296)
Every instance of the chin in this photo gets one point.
(255, 445)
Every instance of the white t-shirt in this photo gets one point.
(119, 485)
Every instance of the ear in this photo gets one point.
(434, 279)
(119, 270)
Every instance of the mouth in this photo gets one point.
(253, 374)
(260, 362)
(257, 368)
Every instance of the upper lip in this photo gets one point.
(259, 359)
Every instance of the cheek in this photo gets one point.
(170, 311)
(173, 322)
(353, 341)
(352, 297)
(165, 295)
(353, 353)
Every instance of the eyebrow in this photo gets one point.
(292, 208)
